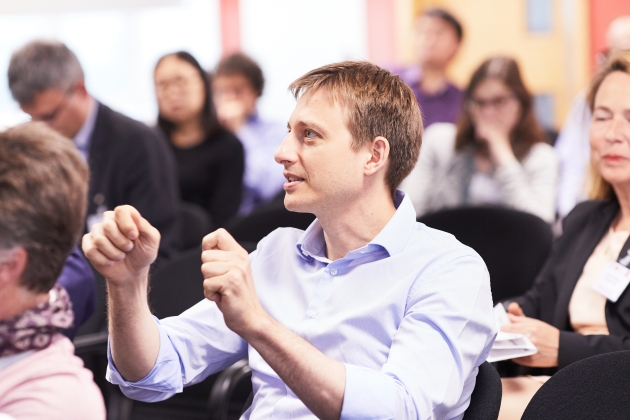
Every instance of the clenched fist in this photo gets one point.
(123, 246)
(228, 281)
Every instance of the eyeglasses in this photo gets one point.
(497, 103)
(179, 83)
(51, 116)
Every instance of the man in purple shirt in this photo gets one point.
(438, 37)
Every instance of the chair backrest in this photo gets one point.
(593, 388)
(194, 223)
(263, 221)
(177, 285)
(485, 400)
(513, 244)
(225, 400)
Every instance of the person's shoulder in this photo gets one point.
(225, 138)
(124, 127)
(586, 211)
(437, 246)
(56, 379)
(541, 154)
(439, 139)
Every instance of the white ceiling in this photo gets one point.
(48, 6)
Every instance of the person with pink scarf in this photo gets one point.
(43, 188)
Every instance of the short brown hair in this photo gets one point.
(43, 189)
(598, 187)
(526, 132)
(243, 65)
(377, 103)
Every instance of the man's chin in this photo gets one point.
(294, 204)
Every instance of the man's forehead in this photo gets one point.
(321, 99)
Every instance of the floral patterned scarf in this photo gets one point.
(35, 328)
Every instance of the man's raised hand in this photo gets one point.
(228, 281)
(122, 246)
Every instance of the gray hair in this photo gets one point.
(41, 65)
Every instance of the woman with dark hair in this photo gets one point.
(496, 155)
(210, 159)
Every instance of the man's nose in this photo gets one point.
(286, 155)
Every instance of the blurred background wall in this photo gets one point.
(119, 41)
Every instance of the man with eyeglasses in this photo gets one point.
(129, 163)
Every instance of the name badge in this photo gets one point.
(613, 281)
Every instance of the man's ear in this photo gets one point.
(12, 265)
(379, 154)
(79, 88)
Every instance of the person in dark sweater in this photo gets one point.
(210, 159)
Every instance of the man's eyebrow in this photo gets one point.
(309, 123)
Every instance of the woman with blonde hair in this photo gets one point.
(569, 313)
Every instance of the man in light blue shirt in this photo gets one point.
(237, 84)
(366, 314)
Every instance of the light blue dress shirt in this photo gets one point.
(263, 177)
(409, 314)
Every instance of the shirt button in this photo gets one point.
(333, 271)
(313, 315)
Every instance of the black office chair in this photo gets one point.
(231, 394)
(177, 285)
(248, 231)
(194, 224)
(513, 244)
(485, 400)
(593, 388)
(225, 402)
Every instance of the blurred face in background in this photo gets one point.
(234, 96)
(610, 130)
(64, 111)
(179, 89)
(493, 103)
(436, 41)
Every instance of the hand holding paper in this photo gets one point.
(544, 337)
(509, 345)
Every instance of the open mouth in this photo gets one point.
(292, 181)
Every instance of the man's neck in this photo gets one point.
(355, 224)
(433, 79)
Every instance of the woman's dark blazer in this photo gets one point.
(548, 300)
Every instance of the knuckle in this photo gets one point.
(101, 241)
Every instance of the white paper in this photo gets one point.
(508, 345)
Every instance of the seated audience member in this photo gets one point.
(438, 38)
(567, 319)
(77, 278)
(366, 314)
(43, 189)
(496, 155)
(129, 164)
(572, 145)
(210, 160)
(236, 86)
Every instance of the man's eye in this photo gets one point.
(309, 134)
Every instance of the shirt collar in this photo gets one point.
(393, 237)
(82, 138)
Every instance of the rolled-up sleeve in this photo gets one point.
(446, 333)
(193, 346)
